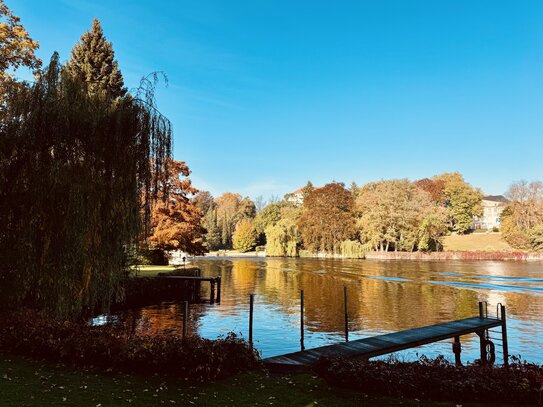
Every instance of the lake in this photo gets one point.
(383, 296)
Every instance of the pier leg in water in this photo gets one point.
(251, 306)
(482, 336)
(212, 295)
(185, 318)
(457, 348)
(504, 337)
(346, 315)
(302, 320)
(219, 289)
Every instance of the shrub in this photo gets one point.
(438, 379)
(536, 238)
(107, 347)
(353, 249)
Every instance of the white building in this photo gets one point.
(493, 205)
(296, 197)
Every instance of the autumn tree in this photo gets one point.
(176, 223)
(17, 49)
(269, 216)
(244, 238)
(327, 218)
(397, 215)
(231, 209)
(462, 200)
(227, 209)
(204, 201)
(246, 210)
(93, 62)
(521, 219)
(435, 187)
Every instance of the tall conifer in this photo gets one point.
(93, 61)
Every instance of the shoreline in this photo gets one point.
(415, 256)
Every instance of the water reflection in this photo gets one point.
(383, 296)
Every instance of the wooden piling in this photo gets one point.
(212, 294)
(457, 349)
(302, 347)
(185, 318)
(346, 314)
(504, 337)
(219, 289)
(251, 307)
(482, 335)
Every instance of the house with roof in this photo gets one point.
(295, 197)
(493, 206)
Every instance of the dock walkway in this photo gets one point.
(392, 342)
(213, 282)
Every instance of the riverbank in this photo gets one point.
(30, 383)
(457, 255)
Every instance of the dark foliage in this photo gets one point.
(73, 167)
(113, 348)
(438, 379)
(140, 291)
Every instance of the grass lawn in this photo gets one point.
(29, 383)
(491, 242)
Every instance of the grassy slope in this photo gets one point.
(26, 383)
(491, 242)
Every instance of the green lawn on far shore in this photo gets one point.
(30, 383)
(152, 271)
(486, 242)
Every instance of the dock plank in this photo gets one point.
(383, 344)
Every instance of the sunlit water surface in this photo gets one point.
(383, 296)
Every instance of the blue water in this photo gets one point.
(383, 296)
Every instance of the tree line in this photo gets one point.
(387, 215)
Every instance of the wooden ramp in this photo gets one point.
(383, 344)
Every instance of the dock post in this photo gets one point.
(212, 294)
(302, 347)
(251, 307)
(482, 336)
(504, 337)
(219, 289)
(185, 318)
(346, 315)
(457, 348)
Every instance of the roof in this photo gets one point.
(298, 191)
(496, 198)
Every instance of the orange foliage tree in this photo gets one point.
(327, 218)
(176, 223)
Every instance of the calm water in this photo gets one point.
(383, 296)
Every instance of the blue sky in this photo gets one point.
(267, 94)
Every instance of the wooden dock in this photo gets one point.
(213, 282)
(397, 341)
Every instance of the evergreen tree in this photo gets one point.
(93, 61)
(213, 236)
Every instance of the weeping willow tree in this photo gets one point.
(75, 190)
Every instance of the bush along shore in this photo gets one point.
(114, 348)
(437, 379)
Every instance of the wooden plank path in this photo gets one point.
(387, 343)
